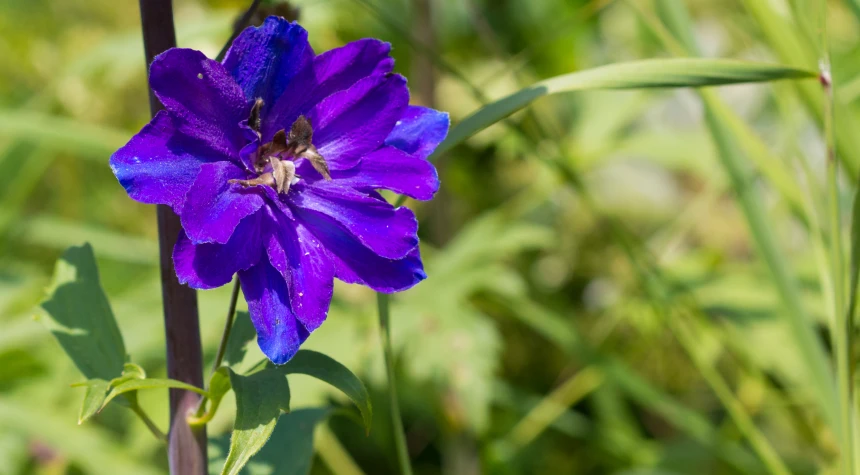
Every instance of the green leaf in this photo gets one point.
(651, 73)
(326, 369)
(260, 398)
(125, 386)
(241, 334)
(219, 384)
(290, 449)
(129, 371)
(80, 318)
(93, 399)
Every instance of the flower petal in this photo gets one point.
(419, 131)
(279, 334)
(356, 264)
(386, 231)
(391, 169)
(159, 164)
(351, 123)
(304, 263)
(264, 59)
(211, 265)
(330, 72)
(200, 92)
(213, 207)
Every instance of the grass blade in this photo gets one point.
(646, 74)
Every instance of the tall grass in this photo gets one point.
(557, 332)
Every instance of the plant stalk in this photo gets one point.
(228, 326)
(842, 322)
(396, 419)
(198, 418)
(186, 448)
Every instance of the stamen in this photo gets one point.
(280, 152)
(301, 136)
(284, 172)
(254, 118)
(266, 179)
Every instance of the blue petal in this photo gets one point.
(279, 333)
(160, 163)
(264, 59)
(211, 265)
(419, 131)
(356, 264)
(330, 72)
(214, 207)
(202, 94)
(387, 168)
(304, 263)
(387, 231)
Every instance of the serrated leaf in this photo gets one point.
(79, 316)
(260, 398)
(149, 383)
(242, 333)
(326, 369)
(646, 74)
(93, 399)
(289, 451)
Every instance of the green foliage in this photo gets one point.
(289, 451)
(240, 337)
(260, 398)
(94, 399)
(326, 369)
(135, 384)
(664, 73)
(79, 316)
(530, 279)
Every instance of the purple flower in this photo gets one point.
(272, 158)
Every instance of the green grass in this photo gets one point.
(646, 280)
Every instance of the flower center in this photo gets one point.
(281, 153)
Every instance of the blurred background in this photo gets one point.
(595, 303)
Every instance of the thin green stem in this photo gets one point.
(735, 164)
(228, 326)
(222, 348)
(148, 422)
(548, 410)
(744, 422)
(841, 330)
(397, 420)
(196, 421)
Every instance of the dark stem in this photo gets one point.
(186, 448)
(243, 22)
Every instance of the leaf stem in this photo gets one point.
(203, 419)
(219, 356)
(228, 325)
(148, 422)
(397, 421)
